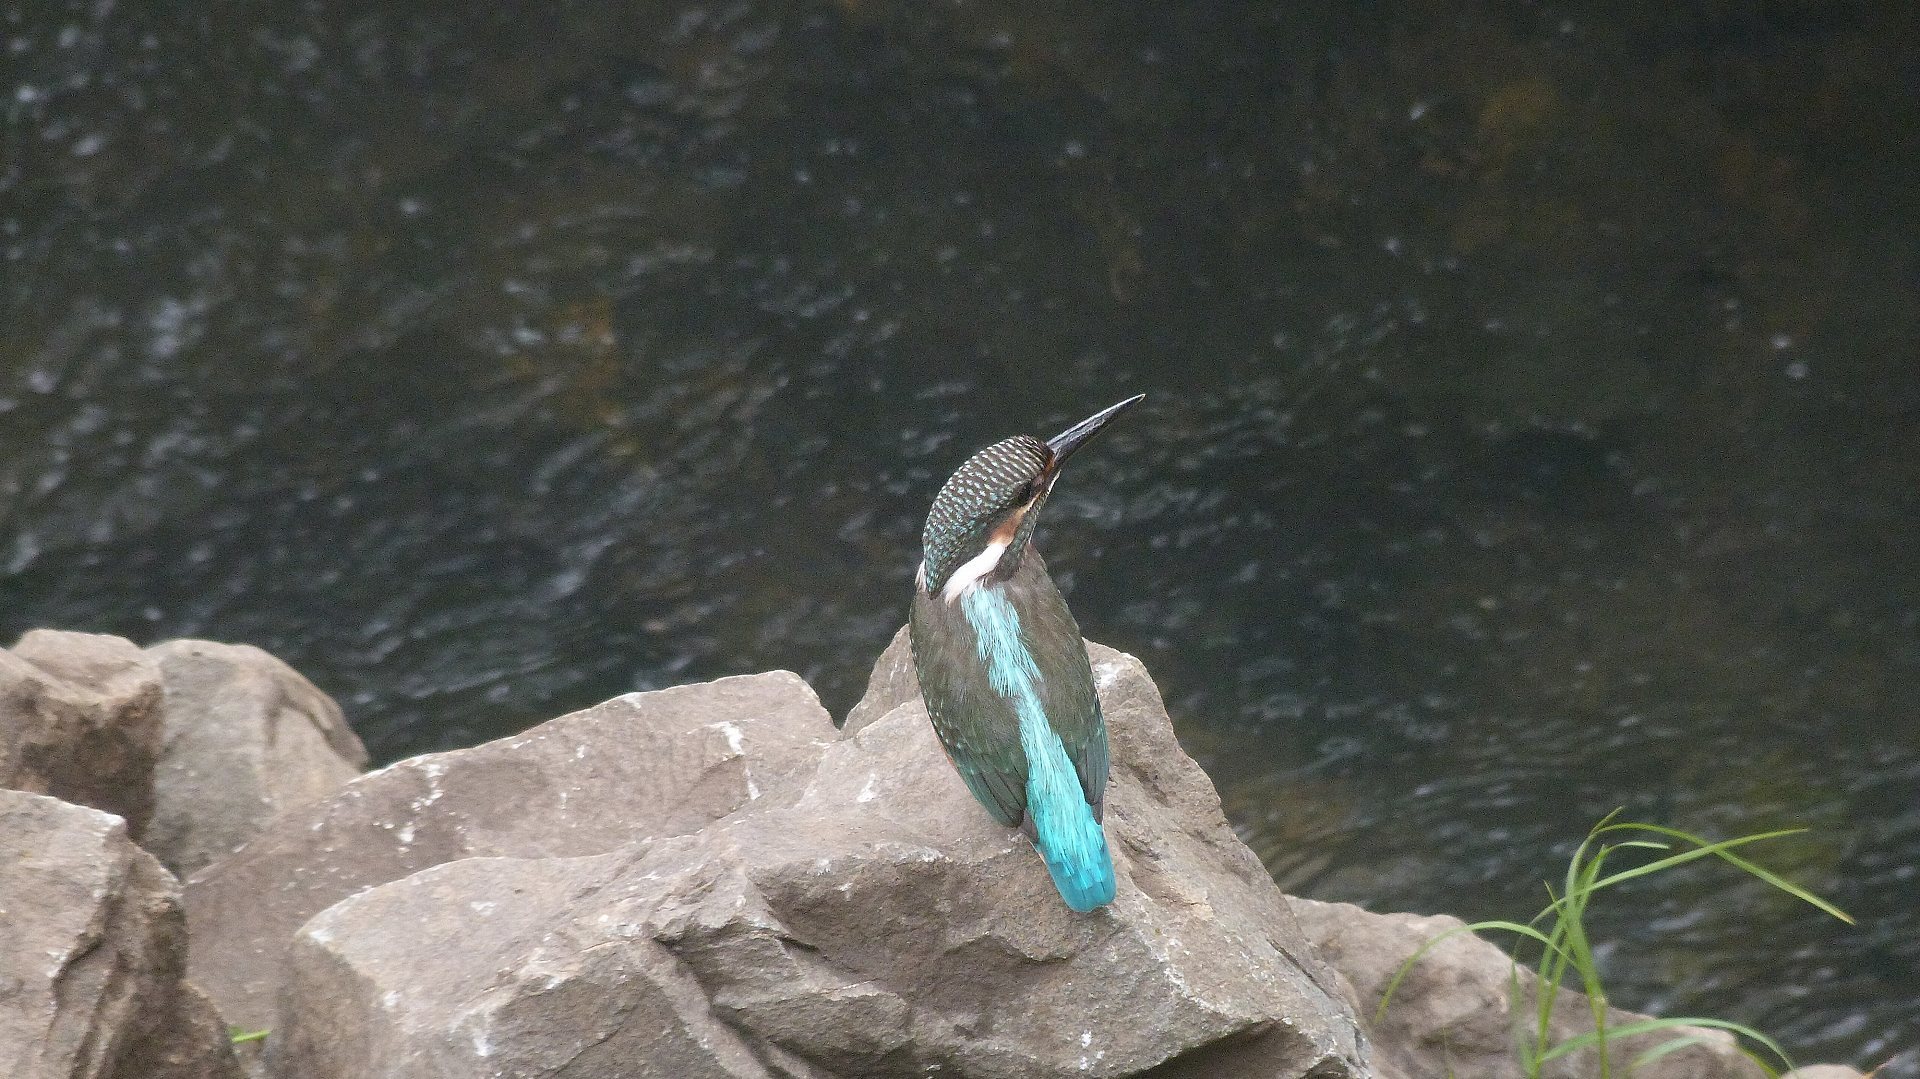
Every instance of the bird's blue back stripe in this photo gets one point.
(1069, 839)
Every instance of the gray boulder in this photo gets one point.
(244, 737)
(874, 923)
(1452, 1014)
(645, 764)
(80, 720)
(91, 971)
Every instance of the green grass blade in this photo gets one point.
(1721, 850)
(1788, 887)
(1553, 967)
(1672, 1045)
(1703, 849)
(1513, 927)
(1560, 932)
(1677, 1045)
(1582, 1041)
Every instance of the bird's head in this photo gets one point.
(983, 517)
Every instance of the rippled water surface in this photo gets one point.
(1533, 421)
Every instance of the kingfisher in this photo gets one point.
(1000, 661)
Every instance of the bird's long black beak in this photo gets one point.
(1064, 443)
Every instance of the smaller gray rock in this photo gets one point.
(1825, 1071)
(244, 737)
(91, 970)
(80, 720)
(1452, 1016)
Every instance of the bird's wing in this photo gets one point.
(1067, 693)
(977, 726)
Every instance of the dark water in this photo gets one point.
(1533, 421)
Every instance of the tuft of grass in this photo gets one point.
(1560, 932)
(242, 1037)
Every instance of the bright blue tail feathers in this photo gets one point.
(1069, 839)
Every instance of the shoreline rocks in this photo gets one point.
(189, 748)
(82, 722)
(709, 880)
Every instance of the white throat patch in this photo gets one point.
(972, 570)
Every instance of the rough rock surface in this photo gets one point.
(244, 737)
(80, 720)
(377, 991)
(645, 764)
(1451, 1015)
(876, 923)
(92, 953)
(892, 684)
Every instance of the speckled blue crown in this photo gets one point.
(992, 482)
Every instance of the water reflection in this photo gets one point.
(1531, 427)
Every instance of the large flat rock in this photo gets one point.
(646, 764)
(875, 923)
(93, 954)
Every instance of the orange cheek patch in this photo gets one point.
(1011, 526)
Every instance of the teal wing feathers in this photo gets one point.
(977, 726)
